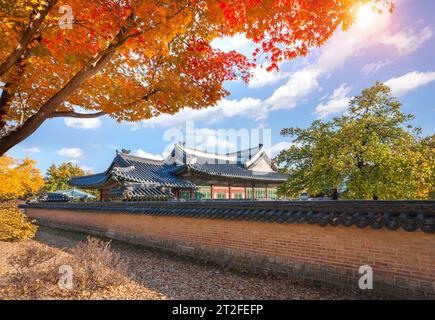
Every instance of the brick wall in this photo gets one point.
(403, 262)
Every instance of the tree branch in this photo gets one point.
(26, 38)
(94, 65)
(73, 114)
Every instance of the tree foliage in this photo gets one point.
(14, 225)
(56, 177)
(19, 178)
(368, 153)
(136, 59)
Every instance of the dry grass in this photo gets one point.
(37, 271)
(118, 270)
(96, 266)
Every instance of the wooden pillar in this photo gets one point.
(253, 192)
(212, 193)
(266, 193)
(229, 191)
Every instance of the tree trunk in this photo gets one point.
(4, 101)
(9, 91)
(48, 109)
(21, 133)
(335, 194)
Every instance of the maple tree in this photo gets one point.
(133, 60)
(19, 178)
(369, 153)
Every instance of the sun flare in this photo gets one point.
(366, 16)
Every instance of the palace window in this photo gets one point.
(221, 195)
(271, 194)
(185, 195)
(203, 195)
(204, 192)
(249, 193)
(260, 193)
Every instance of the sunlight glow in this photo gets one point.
(366, 16)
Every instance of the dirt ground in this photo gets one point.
(154, 274)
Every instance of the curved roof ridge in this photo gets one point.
(256, 148)
(126, 156)
(207, 154)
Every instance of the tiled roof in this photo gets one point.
(393, 215)
(148, 171)
(137, 192)
(54, 197)
(231, 171)
(182, 154)
(130, 168)
(75, 194)
(153, 173)
(90, 181)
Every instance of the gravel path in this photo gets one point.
(157, 275)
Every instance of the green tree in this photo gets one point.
(368, 153)
(57, 177)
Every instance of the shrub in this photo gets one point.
(37, 271)
(96, 266)
(35, 274)
(14, 225)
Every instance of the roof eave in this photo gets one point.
(258, 178)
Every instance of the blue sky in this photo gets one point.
(396, 49)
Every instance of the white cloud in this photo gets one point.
(261, 77)
(73, 161)
(373, 67)
(299, 85)
(85, 124)
(31, 150)
(347, 44)
(408, 41)
(213, 140)
(334, 54)
(237, 42)
(70, 152)
(338, 102)
(278, 147)
(144, 154)
(409, 82)
(248, 107)
(87, 169)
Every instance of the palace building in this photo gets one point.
(187, 173)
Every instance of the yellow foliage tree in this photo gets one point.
(14, 225)
(19, 178)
